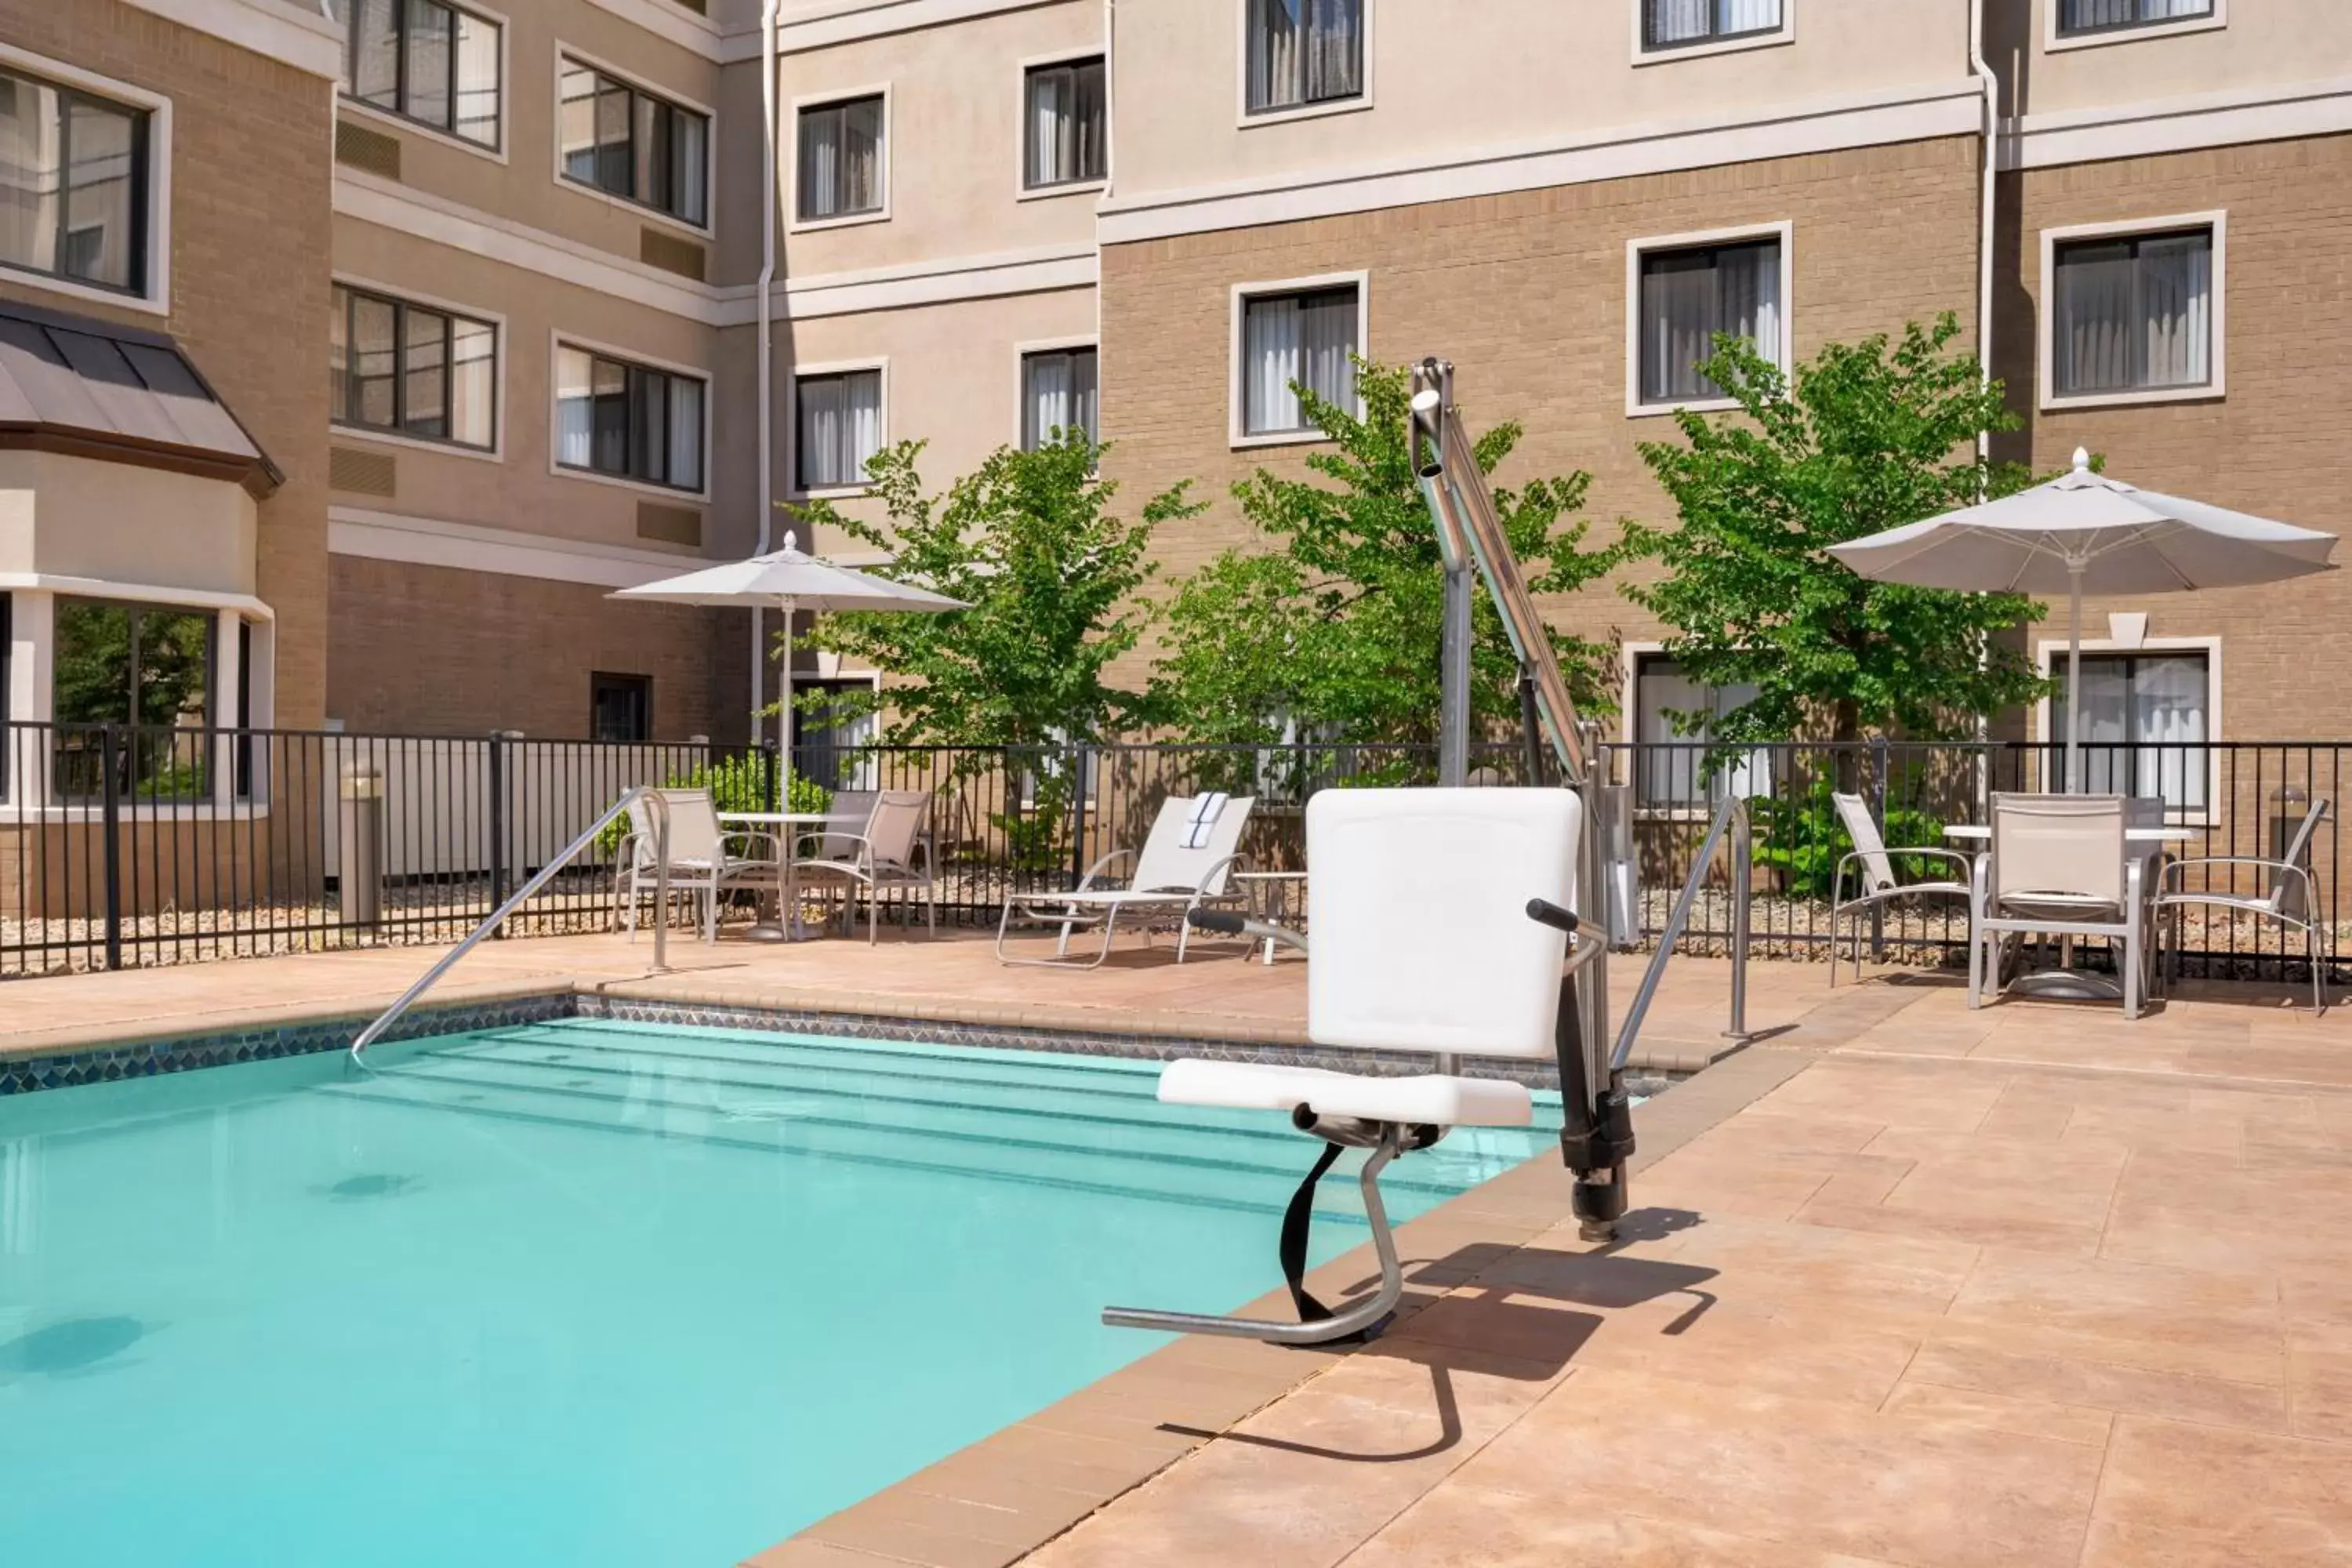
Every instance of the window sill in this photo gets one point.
(1355, 105)
(393, 119)
(341, 431)
(2058, 404)
(641, 487)
(829, 492)
(2058, 43)
(851, 220)
(629, 206)
(1067, 188)
(1668, 54)
(1241, 441)
(1695, 405)
(95, 293)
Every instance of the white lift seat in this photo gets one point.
(1419, 942)
(1425, 1099)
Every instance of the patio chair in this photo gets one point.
(1187, 861)
(1411, 952)
(703, 858)
(2061, 864)
(878, 858)
(1878, 884)
(852, 810)
(2292, 900)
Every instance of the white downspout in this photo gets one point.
(767, 349)
(1110, 164)
(1991, 86)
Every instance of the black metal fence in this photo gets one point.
(125, 845)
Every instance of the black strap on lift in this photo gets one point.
(1295, 1219)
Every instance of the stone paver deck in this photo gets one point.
(1904, 1285)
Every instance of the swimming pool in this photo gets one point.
(601, 1294)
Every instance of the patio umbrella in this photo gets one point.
(787, 580)
(2084, 532)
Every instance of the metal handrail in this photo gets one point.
(1732, 818)
(659, 805)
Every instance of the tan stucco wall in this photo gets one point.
(1451, 78)
(78, 517)
(2269, 43)
(250, 212)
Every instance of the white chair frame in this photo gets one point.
(1090, 904)
(715, 871)
(2044, 911)
(1877, 884)
(2288, 873)
(880, 861)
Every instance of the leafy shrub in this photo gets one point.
(736, 783)
(1799, 837)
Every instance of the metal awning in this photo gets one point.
(93, 389)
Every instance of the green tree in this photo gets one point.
(1868, 436)
(1029, 541)
(1332, 622)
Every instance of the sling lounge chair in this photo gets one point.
(1186, 862)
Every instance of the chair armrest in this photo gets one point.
(1929, 852)
(1200, 887)
(1096, 869)
(774, 847)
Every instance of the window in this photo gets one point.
(2133, 313)
(144, 665)
(620, 707)
(1293, 340)
(424, 62)
(627, 142)
(2077, 17)
(1674, 719)
(73, 184)
(626, 421)
(1679, 24)
(1304, 52)
(1057, 393)
(840, 166)
(1066, 130)
(1687, 296)
(2145, 718)
(840, 428)
(409, 370)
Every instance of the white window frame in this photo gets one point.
(706, 230)
(1023, 190)
(791, 488)
(2052, 42)
(1236, 413)
(393, 119)
(1021, 353)
(496, 322)
(1642, 55)
(1244, 120)
(1784, 230)
(2050, 654)
(559, 339)
(2046, 313)
(154, 298)
(794, 223)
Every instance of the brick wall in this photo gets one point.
(435, 650)
(251, 199)
(2274, 444)
(1525, 293)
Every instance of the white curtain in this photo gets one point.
(473, 383)
(684, 457)
(1065, 124)
(2176, 289)
(840, 428)
(1058, 393)
(2168, 699)
(1305, 339)
(1689, 296)
(1305, 51)
(575, 408)
(841, 159)
(1671, 762)
(478, 79)
(2083, 16)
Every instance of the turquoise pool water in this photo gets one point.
(595, 1294)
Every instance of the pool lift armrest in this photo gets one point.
(1364, 1318)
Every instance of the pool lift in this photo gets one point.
(1506, 969)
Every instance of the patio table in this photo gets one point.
(2065, 980)
(1279, 883)
(787, 926)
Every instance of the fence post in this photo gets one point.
(768, 776)
(1878, 805)
(1077, 815)
(498, 820)
(110, 824)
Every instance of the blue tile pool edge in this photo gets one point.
(182, 1053)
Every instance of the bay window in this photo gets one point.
(411, 370)
(628, 421)
(1293, 339)
(628, 143)
(1304, 52)
(73, 184)
(148, 666)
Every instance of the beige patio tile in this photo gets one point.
(1461, 1526)
(2182, 1495)
(2224, 1325)
(2002, 1413)
(1953, 1097)
(2058, 1369)
(1808, 1472)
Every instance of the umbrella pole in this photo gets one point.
(785, 717)
(2074, 681)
